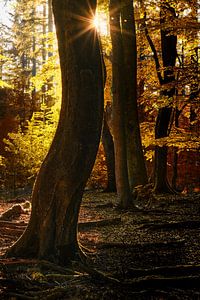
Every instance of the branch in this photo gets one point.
(179, 111)
(191, 97)
(153, 49)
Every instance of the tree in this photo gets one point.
(118, 109)
(127, 141)
(57, 194)
(162, 129)
(108, 146)
(167, 84)
(24, 62)
(135, 158)
(107, 141)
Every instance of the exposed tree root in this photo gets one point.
(103, 206)
(11, 265)
(45, 285)
(108, 222)
(98, 275)
(63, 282)
(178, 270)
(86, 250)
(12, 231)
(152, 282)
(54, 293)
(189, 224)
(12, 224)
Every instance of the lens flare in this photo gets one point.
(100, 21)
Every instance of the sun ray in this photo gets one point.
(100, 21)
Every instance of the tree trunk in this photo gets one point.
(52, 230)
(175, 152)
(118, 89)
(168, 44)
(108, 146)
(50, 20)
(161, 184)
(44, 50)
(135, 158)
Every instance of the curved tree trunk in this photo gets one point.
(52, 230)
(135, 158)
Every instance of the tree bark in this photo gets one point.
(52, 231)
(135, 158)
(50, 19)
(168, 44)
(118, 90)
(108, 146)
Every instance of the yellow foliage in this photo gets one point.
(27, 149)
(98, 177)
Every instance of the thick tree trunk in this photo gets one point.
(108, 146)
(118, 89)
(168, 44)
(135, 159)
(52, 230)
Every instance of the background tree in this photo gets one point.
(40, 53)
(162, 129)
(176, 30)
(108, 145)
(135, 158)
(118, 106)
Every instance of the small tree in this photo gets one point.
(26, 149)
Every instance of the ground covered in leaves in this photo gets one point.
(149, 252)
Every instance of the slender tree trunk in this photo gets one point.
(175, 154)
(50, 20)
(34, 65)
(118, 89)
(50, 99)
(52, 230)
(161, 184)
(168, 44)
(135, 158)
(44, 51)
(108, 146)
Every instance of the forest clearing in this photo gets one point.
(153, 252)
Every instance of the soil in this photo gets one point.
(148, 252)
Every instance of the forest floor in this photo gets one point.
(152, 252)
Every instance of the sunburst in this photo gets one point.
(100, 21)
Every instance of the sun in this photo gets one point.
(96, 22)
(100, 21)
